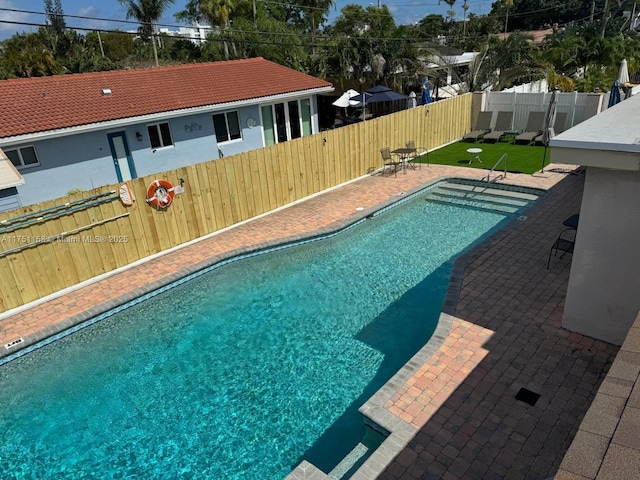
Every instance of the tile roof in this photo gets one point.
(41, 104)
(538, 36)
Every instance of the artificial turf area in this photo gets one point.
(521, 158)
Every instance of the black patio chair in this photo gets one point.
(565, 243)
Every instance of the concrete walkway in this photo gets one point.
(505, 333)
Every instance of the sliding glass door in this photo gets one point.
(286, 121)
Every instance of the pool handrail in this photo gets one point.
(504, 157)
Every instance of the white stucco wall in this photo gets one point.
(603, 296)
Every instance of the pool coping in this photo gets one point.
(373, 410)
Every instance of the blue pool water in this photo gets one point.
(244, 371)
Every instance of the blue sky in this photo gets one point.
(404, 11)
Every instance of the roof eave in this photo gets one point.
(13, 171)
(123, 122)
(596, 155)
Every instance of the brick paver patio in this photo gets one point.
(505, 333)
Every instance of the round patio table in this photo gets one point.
(474, 154)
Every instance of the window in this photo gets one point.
(227, 126)
(159, 135)
(23, 156)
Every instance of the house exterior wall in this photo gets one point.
(9, 199)
(84, 160)
(602, 297)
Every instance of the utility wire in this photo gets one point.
(235, 31)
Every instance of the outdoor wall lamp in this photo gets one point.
(139, 136)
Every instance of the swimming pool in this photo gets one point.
(247, 369)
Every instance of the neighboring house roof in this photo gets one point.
(32, 105)
(446, 61)
(538, 36)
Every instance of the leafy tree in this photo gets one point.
(368, 48)
(215, 12)
(147, 12)
(117, 45)
(316, 13)
(432, 26)
(182, 50)
(504, 63)
(580, 52)
(476, 31)
(55, 15)
(272, 39)
(517, 59)
(26, 55)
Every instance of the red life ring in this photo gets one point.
(160, 193)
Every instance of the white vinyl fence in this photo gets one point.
(522, 103)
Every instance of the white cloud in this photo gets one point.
(10, 21)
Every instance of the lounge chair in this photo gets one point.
(389, 161)
(417, 152)
(503, 124)
(535, 124)
(559, 126)
(483, 126)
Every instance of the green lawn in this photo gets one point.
(522, 158)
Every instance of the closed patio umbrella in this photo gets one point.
(412, 99)
(549, 121)
(426, 96)
(614, 94)
(623, 74)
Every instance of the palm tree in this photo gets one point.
(214, 12)
(465, 7)
(147, 12)
(28, 55)
(218, 12)
(451, 11)
(316, 11)
(509, 5)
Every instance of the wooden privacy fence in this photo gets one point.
(53, 245)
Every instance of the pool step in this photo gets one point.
(483, 197)
(348, 462)
(477, 205)
(487, 190)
